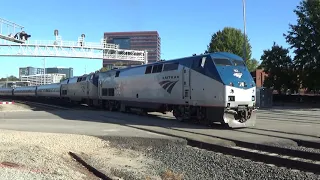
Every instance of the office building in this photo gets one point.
(27, 71)
(140, 40)
(60, 70)
(40, 79)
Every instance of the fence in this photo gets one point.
(264, 98)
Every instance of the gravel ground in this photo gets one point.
(14, 107)
(195, 163)
(123, 163)
(34, 162)
(127, 159)
(45, 156)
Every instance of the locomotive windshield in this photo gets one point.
(222, 62)
(238, 63)
(227, 62)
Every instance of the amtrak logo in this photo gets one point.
(237, 73)
(168, 85)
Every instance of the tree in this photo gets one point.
(10, 78)
(252, 64)
(63, 78)
(104, 69)
(277, 63)
(304, 38)
(231, 40)
(119, 63)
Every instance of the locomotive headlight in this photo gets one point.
(241, 84)
(253, 98)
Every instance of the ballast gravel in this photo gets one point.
(300, 148)
(196, 163)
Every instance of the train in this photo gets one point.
(209, 88)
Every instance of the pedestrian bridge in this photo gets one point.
(14, 41)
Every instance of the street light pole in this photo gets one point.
(244, 30)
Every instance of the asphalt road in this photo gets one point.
(62, 121)
(280, 126)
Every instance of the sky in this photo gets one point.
(185, 27)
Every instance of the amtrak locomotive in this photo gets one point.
(215, 87)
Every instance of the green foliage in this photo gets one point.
(304, 38)
(231, 40)
(119, 63)
(10, 78)
(252, 64)
(104, 69)
(277, 63)
(62, 79)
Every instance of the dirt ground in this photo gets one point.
(31, 155)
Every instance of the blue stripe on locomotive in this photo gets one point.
(208, 69)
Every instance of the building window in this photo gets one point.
(124, 43)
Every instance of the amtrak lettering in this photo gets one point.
(170, 77)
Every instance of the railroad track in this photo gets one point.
(278, 156)
(272, 155)
(91, 169)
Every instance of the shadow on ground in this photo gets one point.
(82, 113)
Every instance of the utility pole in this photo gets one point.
(7, 81)
(244, 30)
(44, 70)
